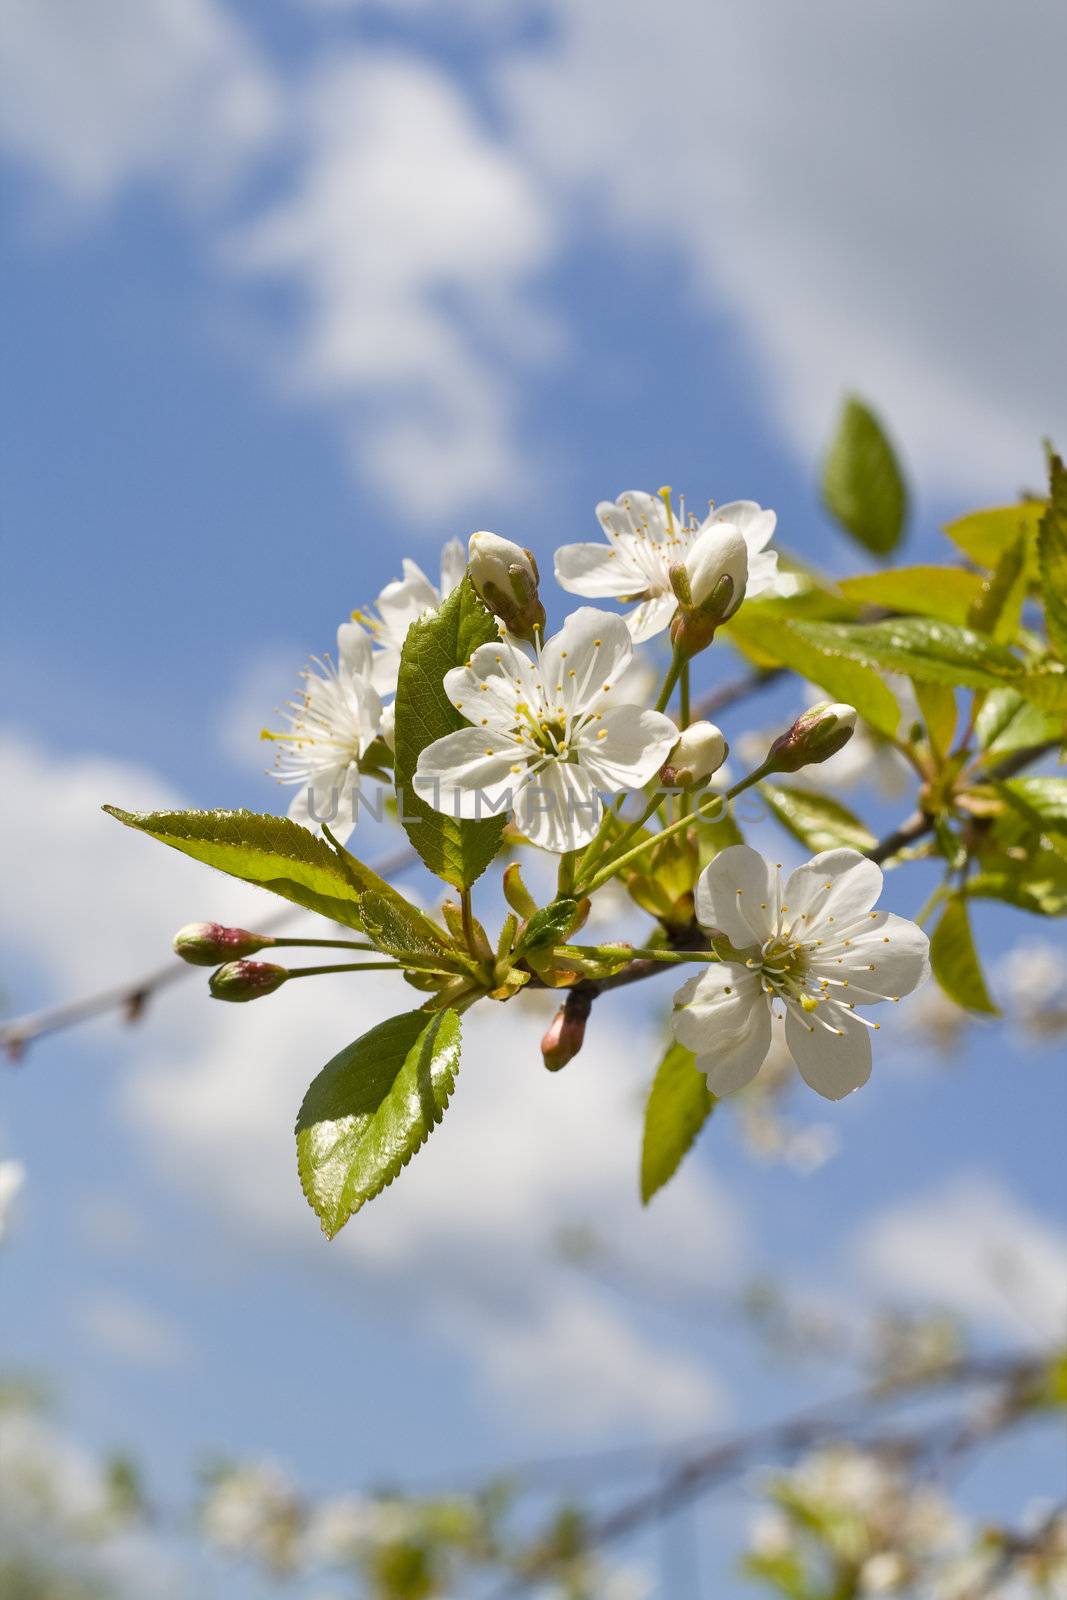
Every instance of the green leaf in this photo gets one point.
(1046, 686)
(456, 851)
(932, 652)
(679, 1104)
(955, 963)
(817, 820)
(985, 535)
(1009, 722)
(998, 608)
(862, 485)
(549, 927)
(1052, 559)
(1042, 800)
(270, 851)
(946, 593)
(371, 1108)
(776, 642)
(399, 928)
(1037, 884)
(937, 703)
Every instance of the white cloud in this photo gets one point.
(875, 194)
(409, 237)
(125, 1328)
(973, 1247)
(468, 1229)
(100, 96)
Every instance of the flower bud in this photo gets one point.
(700, 751)
(717, 553)
(205, 944)
(506, 577)
(246, 980)
(815, 736)
(709, 585)
(564, 1036)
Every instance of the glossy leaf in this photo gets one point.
(456, 851)
(548, 927)
(679, 1104)
(932, 652)
(1042, 800)
(862, 484)
(947, 593)
(985, 535)
(955, 962)
(776, 642)
(371, 1108)
(817, 820)
(1008, 721)
(998, 609)
(270, 851)
(1037, 884)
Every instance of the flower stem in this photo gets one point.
(352, 966)
(669, 682)
(683, 695)
(323, 944)
(568, 865)
(625, 836)
(714, 802)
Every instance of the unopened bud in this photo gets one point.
(564, 1036)
(700, 751)
(205, 944)
(506, 577)
(709, 585)
(246, 980)
(717, 553)
(815, 736)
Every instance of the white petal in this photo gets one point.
(580, 663)
(836, 887)
(736, 1059)
(889, 957)
(624, 747)
(385, 668)
(497, 679)
(331, 795)
(354, 649)
(453, 566)
(470, 773)
(717, 1001)
(634, 513)
(651, 617)
(833, 1064)
(600, 571)
(560, 809)
(725, 1019)
(736, 894)
(762, 574)
(755, 525)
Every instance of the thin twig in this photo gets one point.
(131, 999)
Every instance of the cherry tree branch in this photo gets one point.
(131, 999)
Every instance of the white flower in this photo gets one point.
(817, 947)
(549, 735)
(403, 602)
(330, 728)
(645, 539)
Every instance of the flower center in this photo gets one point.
(783, 967)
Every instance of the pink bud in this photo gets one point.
(205, 944)
(246, 980)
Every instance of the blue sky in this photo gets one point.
(288, 293)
